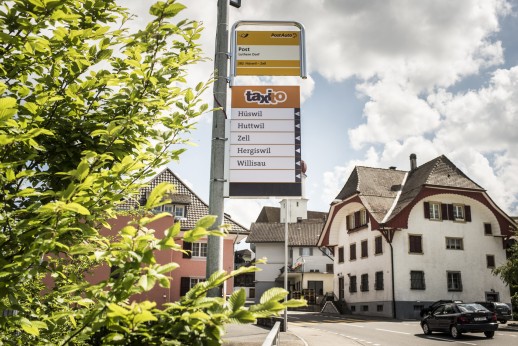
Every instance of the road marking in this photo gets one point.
(392, 331)
(449, 340)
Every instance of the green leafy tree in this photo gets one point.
(88, 112)
(509, 273)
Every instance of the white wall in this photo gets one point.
(436, 259)
(368, 265)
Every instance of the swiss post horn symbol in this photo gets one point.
(244, 35)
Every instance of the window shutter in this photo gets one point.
(311, 251)
(450, 212)
(487, 228)
(185, 285)
(188, 247)
(300, 251)
(467, 211)
(444, 211)
(426, 210)
(356, 219)
(347, 222)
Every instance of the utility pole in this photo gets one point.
(217, 165)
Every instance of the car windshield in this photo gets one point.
(471, 307)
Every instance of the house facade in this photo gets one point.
(187, 208)
(403, 239)
(310, 269)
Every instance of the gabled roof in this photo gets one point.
(273, 214)
(376, 187)
(389, 194)
(196, 208)
(440, 172)
(269, 229)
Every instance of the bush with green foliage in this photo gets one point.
(88, 112)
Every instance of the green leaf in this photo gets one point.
(273, 294)
(166, 268)
(76, 208)
(117, 310)
(237, 299)
(206, 221)
(147, 282)
(144, 316)
(156, 196)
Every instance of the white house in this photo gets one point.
(310, 269)
(403, 239)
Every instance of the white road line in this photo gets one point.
(392, 331)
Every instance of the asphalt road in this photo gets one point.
(317, 330)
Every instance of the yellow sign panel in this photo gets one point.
(268, 53)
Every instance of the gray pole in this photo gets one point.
(216, 200)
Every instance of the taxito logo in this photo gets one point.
(270, 98)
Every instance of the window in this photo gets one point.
(341, 254)
(329, 267)
(179, 211)
(305, 251)
(199, 249)
(357, 219)
(353, 308)
(352, 252)
(417, 280)
(364, 285)
(365, 308)
(490, 260)
(458, 212)
(435, 211)
(454, 243)
(168, 208)
(341, 288)
(363, 217)
(454, 281)
(378, 245)
(378, 282)
(379, 307)
(416, 243)
(487, 229)
(352, 284)
(350, 221)
(186, 283)
(365, 248)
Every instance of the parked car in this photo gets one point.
(502, 310)
(458, 318)
(427, 310)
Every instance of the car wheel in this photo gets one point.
(426, 329)
(489, 335)
(455, 332)
(503, 321)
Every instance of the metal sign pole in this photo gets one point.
(286, 235)
(217, 169)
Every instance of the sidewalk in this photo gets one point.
(251, 334)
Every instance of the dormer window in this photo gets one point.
(356, 220)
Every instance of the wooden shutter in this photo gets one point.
(347, 219)
(356, 219)
(444, 212)
(467, 211)
(188, 247)
(426, 210)
(488, 229)
(185, 285)
(450, 212)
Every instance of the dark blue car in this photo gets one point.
(459, 318)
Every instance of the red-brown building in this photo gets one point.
(187, 208)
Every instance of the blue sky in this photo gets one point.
(386, 79)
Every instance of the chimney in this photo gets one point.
(413, 162)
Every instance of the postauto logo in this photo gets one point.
(271, 97)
